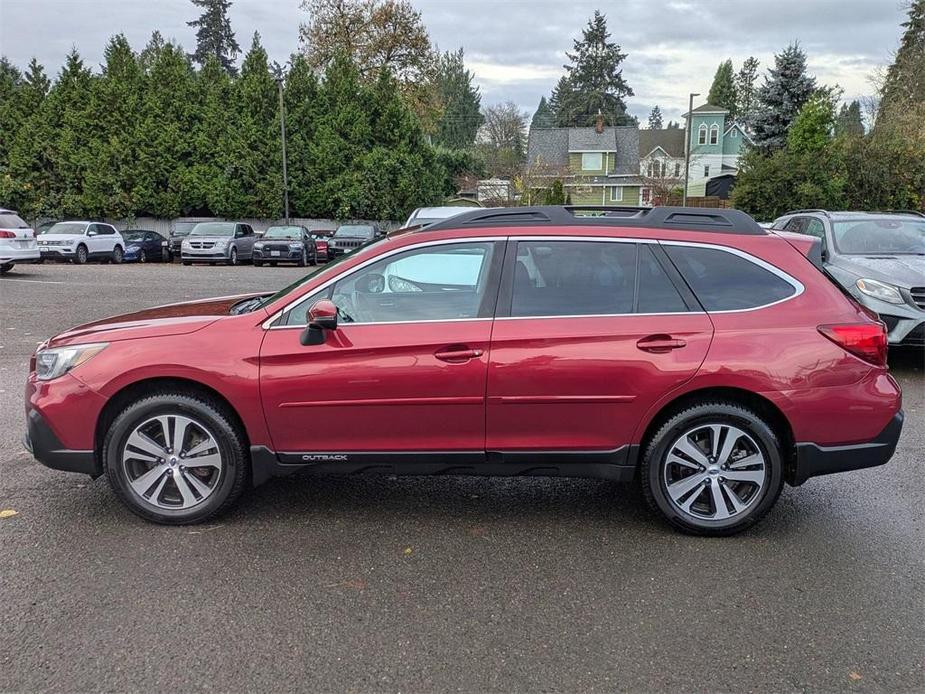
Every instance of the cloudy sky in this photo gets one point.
(516, 48)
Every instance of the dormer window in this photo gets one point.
(702, 135)
(714, 134)
(592, 161)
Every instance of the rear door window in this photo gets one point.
(656, 292)
(573, 278)
(725, 281)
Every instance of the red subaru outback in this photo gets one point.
(690, 348)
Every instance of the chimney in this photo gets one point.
(599, 122)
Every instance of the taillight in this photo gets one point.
(7, 234)
(865, 340)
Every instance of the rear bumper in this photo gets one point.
(46, 448)
(19, 255)
(813, 460)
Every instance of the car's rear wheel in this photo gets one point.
(303, 259)
(6, 268)
(81, 255)
(175, 458)
(117, 255)
(142, 256)
(714, 468)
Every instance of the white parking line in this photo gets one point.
(19, 279)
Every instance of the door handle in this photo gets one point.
(659, 344)
(458, 355)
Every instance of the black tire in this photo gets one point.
(6, 268)
(314, 260)
(142, 256)
(232, 477)
(233, 256)
(258, 263)
(117, 254)
(303, 260)
(652, 471)
(40, 261)
(186, 262)
(81, 255)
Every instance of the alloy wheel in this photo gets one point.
(172, 462)
(714, 472)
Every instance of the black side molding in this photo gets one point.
(813, 460)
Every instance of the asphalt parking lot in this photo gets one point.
(423, 584)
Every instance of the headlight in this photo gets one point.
(295, 246)
(184, 243)
(258, 245)
(221, 243)
(51, 363)
(880, 290)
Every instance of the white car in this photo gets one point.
(79, 242)
(423, 216)
(17, 241)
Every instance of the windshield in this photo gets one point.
(283, 233)
(355, 230)
(12, 221)
(889, 235)
(66, 228)
(182, 228)
(133, 235)
(213, 229)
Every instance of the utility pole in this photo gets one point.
(282, 128)
(687, 145)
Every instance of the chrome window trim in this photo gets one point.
(798, 286)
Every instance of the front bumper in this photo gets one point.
(208, 256)
(290, 254)
(46, 448)
(905, 324)
(56, 252)
(813, 460)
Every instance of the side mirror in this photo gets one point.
(320, 317)
(92, 233)
(825, 254)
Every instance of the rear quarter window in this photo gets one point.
(724, 281)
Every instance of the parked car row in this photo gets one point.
(203, 241)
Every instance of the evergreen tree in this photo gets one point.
(673, 125)
(561, 101)
(303, 111)
(214, 36)
(251, 153)
(543, 117)
(165, 185)
(214, 103)
(786, 88)
(904, 86)
(849, 120)
(723, 91)
(746, 91)
(595, 79)
(461, 102)
(10, 111)
(67, 110)
(110, 132)
(655, 118)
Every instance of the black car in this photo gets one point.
(144, 246)
(349, 237)
(286, 244)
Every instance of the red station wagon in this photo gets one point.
(689, 348)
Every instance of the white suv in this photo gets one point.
(82, 241)
(17, 241)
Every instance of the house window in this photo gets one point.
(646, 196)
(616, 194)
(733, 133)
(592, 161)
(677, 169)
(702, 135)
(706, 171)
(714, 134)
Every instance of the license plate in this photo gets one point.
(274, 254)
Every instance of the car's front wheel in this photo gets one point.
(175, 458)
(233, 256)
(5, 268)
(715, 468)
(81, 255)
(117, 255)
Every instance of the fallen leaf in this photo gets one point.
(854, 676)
(407, 551)
(8, 513)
